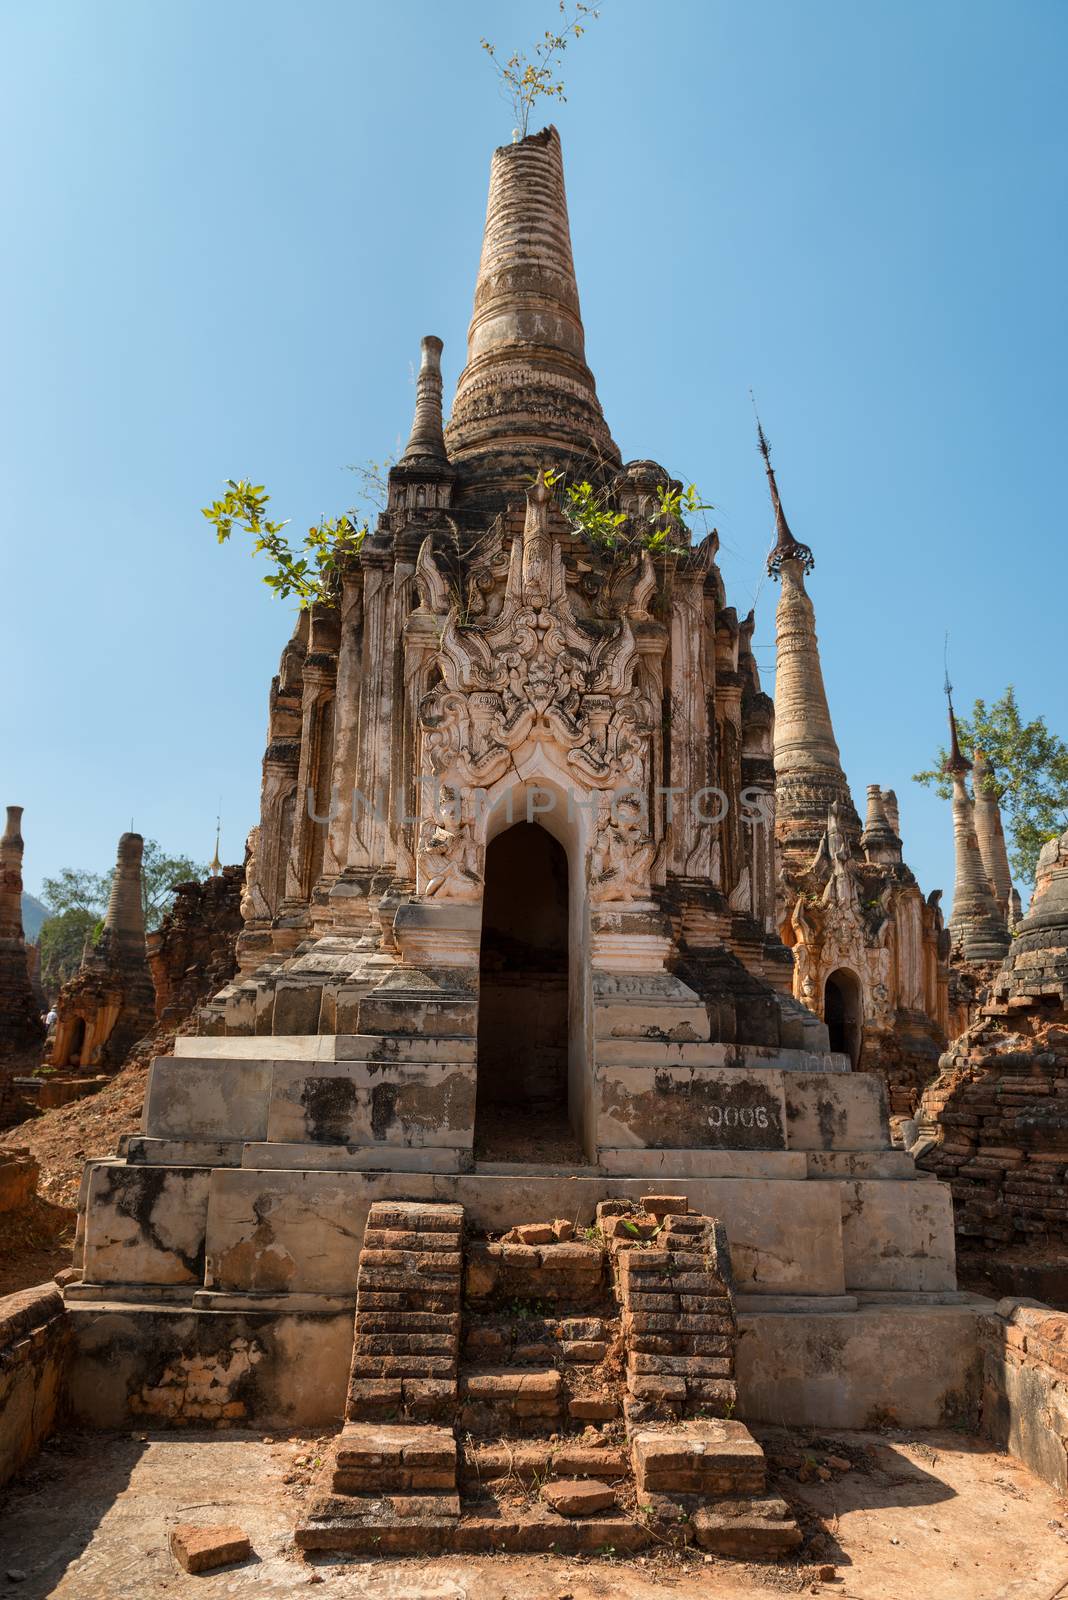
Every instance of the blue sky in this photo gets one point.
(229, 224)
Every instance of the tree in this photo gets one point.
(525, 79)
(310, 572)
(78, 890)
(1028, 775)
(62, 941)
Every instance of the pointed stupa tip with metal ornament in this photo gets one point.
(809, 778)
(786, 547)
(526, 395)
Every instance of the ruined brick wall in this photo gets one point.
(1000, 1106)
(1025, 1386)
(192, 955)
(34, 1352)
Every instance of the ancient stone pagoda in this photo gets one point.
(21, 1028)
(109, 1004)
(509, 955)
(985, 904)
(869, 950)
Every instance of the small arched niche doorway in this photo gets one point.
(77, 1043)
(842, 1013)
(522, 1097)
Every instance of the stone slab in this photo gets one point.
(145, 1224)
(839, 1112)
(906, 1366)
(690, 1107)
(189, 1098)
(371, 1103)
(348, 1158)
(860, 1164)
(142, 1150)
(734, 1057)
(257, 1047)
(286, 1231)
(156, 1365)
(401, 1047)
(897, 1235)
(781, 1164)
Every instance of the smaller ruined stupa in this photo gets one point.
(110, 1002)
(20, 1012)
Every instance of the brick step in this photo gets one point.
(713, 1459)
(534, 1461)
(505, 1399)
(404, 1458)
(537, 1530)
(751, 1529)
(406, 1338)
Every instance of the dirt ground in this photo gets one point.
(925, 1517)
(64, 1139)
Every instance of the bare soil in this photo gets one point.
(64, 1139)
(934, 1516)
(35, 1243)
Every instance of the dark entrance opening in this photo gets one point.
(77, 1043)
(521, 1109)
(841, 1013)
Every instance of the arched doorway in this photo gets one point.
(842, 1013)
(522, 1099)
(77, 1043)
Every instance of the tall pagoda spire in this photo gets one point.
(808, 767)
(526, 392)
(979, 931)
(991, 834)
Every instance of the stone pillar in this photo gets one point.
(20, 1017)
(991, 834)
(368, 845)
(346, 722)
(690, 840)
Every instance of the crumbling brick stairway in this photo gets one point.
(576, 1397)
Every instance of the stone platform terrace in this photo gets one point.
(224, 1243)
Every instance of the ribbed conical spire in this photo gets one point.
(526, 392)
(808, 767)
(991, 834)
(427, 440)
(980, 932)
(124, 924)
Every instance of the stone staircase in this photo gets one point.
(576, 1397)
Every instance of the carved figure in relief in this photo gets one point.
(253, 900)
(449, 859)
(622, 855)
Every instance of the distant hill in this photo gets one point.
(33, 914)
